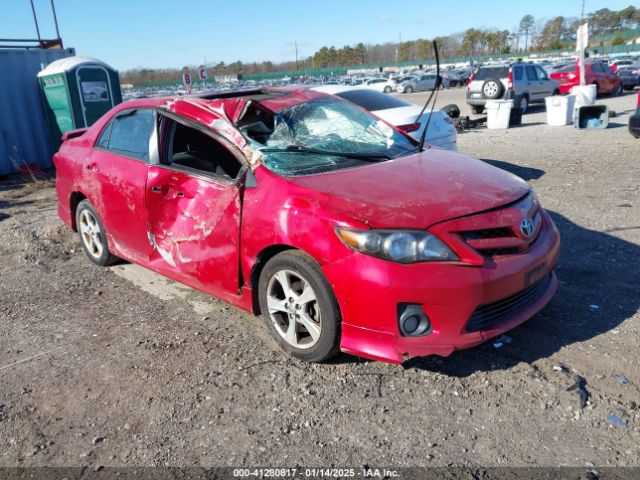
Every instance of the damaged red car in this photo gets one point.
(308, 210)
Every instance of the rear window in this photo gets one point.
(568, 68)
(486, 73)
(372, 100)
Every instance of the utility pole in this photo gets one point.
(295, 44)
(583, 39)
(206, 72)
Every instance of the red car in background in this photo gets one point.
(596, 73)
(309, 210)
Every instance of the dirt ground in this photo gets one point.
(120, 367)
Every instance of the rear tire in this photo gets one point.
(618, 91)
(93, 235)
(300, 307)
(408, 89)
(387, 89)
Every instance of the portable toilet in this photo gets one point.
(77, 91)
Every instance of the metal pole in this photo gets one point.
(35, 19)
(55, 21)
(581, 58)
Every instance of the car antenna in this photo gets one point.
(435, 89)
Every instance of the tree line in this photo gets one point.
(530, 34)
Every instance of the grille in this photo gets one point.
(487, 233)
(494, 252)
(492, 314)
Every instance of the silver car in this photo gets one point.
(524, 83)
(425, 81)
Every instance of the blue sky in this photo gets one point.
(174, 33)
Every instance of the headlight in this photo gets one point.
(401, 246)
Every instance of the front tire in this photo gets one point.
(478, 110)
(408, 89)
(300, 307)
(387, 89)
(93, 236)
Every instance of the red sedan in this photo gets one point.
(596, 73)
(306, 209)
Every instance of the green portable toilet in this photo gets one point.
(77, 91)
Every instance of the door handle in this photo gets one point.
(179, 194)
(91, 166)
(156, 189)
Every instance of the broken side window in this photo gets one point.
(193, 150)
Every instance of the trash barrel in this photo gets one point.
(560, 109)
(585, 94)
(498, 113)
(591, 117)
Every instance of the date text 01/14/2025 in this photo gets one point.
(314, 473)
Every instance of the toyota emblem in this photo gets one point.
(526, 227)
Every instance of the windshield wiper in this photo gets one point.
(367, 157)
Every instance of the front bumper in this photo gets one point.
(448, 292)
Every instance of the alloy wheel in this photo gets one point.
(91, 233)
(293, 309)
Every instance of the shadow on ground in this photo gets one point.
(526, 173)
(597, 292)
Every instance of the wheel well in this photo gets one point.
(76, 198)
(261, 260)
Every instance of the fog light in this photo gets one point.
(412, 320)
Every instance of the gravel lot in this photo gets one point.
(120, 367)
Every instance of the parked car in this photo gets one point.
(393, 82)
(557, 66)
(616, 64)
(630, 76)
(307, 209)
(379, 84)
(634, 121)
(524, 83)
(424, 81)
(596, 73)
(401, 114)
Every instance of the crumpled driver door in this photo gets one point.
(194, 229)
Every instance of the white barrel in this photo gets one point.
(585, 95)
(560, 109)
(498, 113)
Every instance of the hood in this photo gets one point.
(416, 191)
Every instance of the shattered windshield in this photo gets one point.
(322, 135)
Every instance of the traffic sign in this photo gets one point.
(186, 80)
